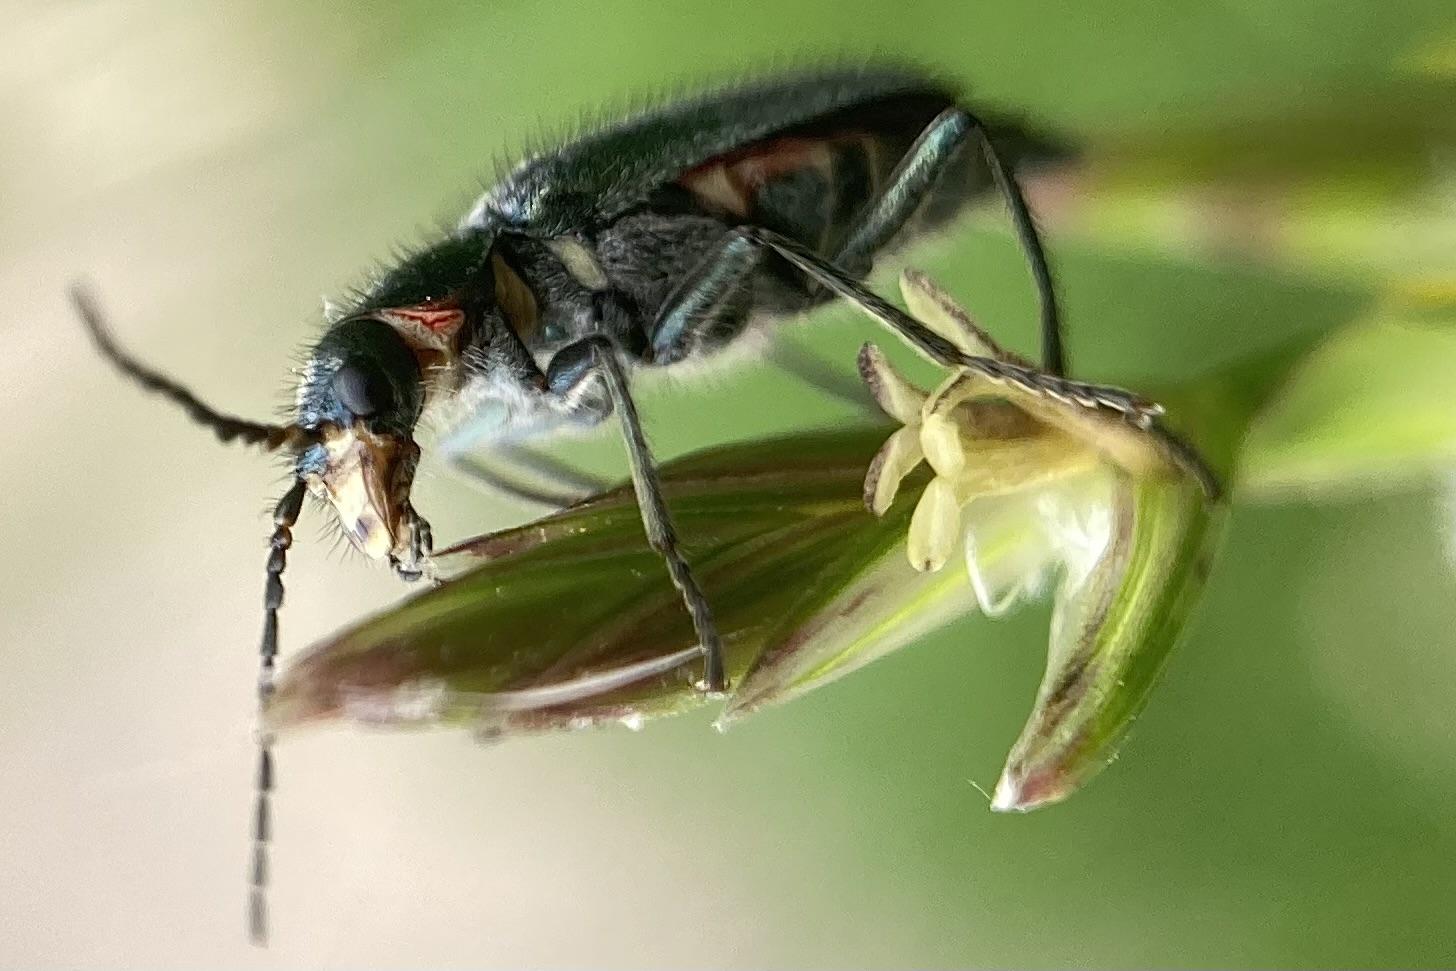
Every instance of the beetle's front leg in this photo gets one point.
(591, 371)
(574, 377)
(416, 562)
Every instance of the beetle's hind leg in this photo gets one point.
(912, 180)
(596, 358)
(742, 252)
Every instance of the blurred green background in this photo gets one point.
(215, 167)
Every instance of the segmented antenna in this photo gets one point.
(285, 514)
(227, 427)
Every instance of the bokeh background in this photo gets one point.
(214, 168)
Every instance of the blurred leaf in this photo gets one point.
(1369, 410)
(1360, 188)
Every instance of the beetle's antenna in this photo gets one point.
(285, 514)
(227, 427)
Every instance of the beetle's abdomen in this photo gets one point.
(797, 186)
(810, 183)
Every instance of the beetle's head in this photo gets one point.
(358, 402)
(361, 394)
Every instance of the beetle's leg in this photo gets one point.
(712, 292)
(931, 154)
(737, 255)
(942, 351)
(1134, 408)
(596, 357)
(558, 472)
(696, 303)
(698, 307)
(478, 472)
(556, 485)
(511, 471)
(703, 297)
(416, 563)
(715, 291)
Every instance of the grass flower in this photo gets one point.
(1034, 492)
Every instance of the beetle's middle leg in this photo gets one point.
(712, 302)
(597, 356)
(744, 247)
(937, 348)
(1134, 408)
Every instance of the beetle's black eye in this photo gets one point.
(363, 392)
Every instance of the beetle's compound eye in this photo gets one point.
(363, 391)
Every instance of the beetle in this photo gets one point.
(644, 244)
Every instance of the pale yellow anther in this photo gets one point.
(896, 459)
(1001, 466)
(940, 437)
(935, 527)
(896, 396)
(931, 306)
